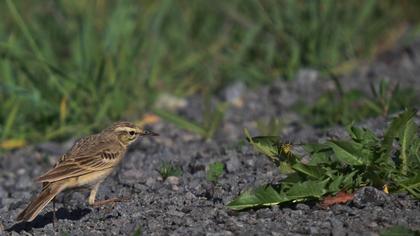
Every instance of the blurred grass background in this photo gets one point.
(67, 67)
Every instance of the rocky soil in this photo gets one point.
(191, 205)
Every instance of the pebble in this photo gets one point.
(175, 213)
(337, 227)
(233, 94)
(150, 181)
(370, 196)
(190, 196)
(170, 102)
(302, 207)
(233, 164)
(174, 180)
(340, 209)
(222, 233)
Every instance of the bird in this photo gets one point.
(86, 164)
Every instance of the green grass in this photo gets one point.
(345, 107)
(69, 67)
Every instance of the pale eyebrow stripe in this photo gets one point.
(124, 129)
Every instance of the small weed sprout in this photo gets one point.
(168, 169)
(215, 170)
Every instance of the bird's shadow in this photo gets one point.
(42, 220)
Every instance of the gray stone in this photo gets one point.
(233, 93)
(370, 196)
(302, 207)
(233, 163)
(337, 227)
(173, 180)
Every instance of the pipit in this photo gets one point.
(88, 162)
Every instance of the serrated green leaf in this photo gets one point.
(362, 135)
(348, 152)
(314, 172)
(316, 147)
(394, 130)
(292, 179)
(407, 138)
(411, 184)
(415, 154)
(261, 196)
(320, 158)
(267, 145)
(285, 168)
(349, 181)
(307, 189)
(335, 185)
(268, 196)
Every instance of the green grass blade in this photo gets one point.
(24, 28)
(216, 119)
(11, 119)
(181, 122)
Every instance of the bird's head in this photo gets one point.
(128, 132)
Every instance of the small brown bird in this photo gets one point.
(86, 164)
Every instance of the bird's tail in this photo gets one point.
(49, 191)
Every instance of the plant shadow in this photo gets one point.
(43, 220)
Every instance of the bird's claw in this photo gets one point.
(111, 201)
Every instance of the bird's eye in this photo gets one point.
(131, 133)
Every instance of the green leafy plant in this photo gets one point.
(168, 169)
(214, 171)
(341, 165)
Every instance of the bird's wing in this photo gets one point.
(84, 160)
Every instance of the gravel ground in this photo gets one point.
(189, 204)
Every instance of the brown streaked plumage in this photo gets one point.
(87, 163)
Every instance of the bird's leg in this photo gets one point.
(54, 215)
(94, 203)
(92, 194)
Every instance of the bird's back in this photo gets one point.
(91, 153)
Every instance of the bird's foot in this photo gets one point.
(111, 201)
